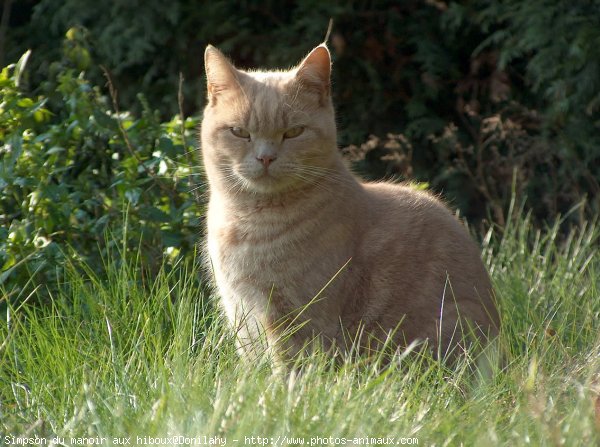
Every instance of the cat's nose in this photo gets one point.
(266, 159)
(266, 151)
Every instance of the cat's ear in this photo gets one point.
(220, 73)
(314, 71)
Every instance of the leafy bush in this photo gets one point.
(545, 86)
(72, 168)
(439, 73)
(469, 98)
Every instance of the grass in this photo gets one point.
(127, 358)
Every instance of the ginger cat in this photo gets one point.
(301, 248)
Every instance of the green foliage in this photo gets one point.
(438, 73)
(71, 169)
(469, 98)
(558, 44)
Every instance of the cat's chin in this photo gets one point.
(268, 185)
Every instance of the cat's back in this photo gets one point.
(416, 248)
(416, 214)
(419, 228)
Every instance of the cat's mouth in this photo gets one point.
(259, 175)
(265, 180)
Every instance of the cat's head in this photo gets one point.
(268, 131)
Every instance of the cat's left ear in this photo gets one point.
(221, 75)
(314, 71)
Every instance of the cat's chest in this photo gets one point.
(262, 235)
(263, 245)
(299, 250)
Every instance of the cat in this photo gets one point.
(302, 250)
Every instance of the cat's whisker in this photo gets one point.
(198, 187)
(324, 175)
(314, 182)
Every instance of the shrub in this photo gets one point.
(439, 73)
(73, 167)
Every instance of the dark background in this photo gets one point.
(483, 101)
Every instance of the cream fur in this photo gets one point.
(278, 233)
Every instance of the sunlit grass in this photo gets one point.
(127, 357)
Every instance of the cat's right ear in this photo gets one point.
(220, 74)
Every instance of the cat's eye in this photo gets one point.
(240, 132)
(293, 132)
